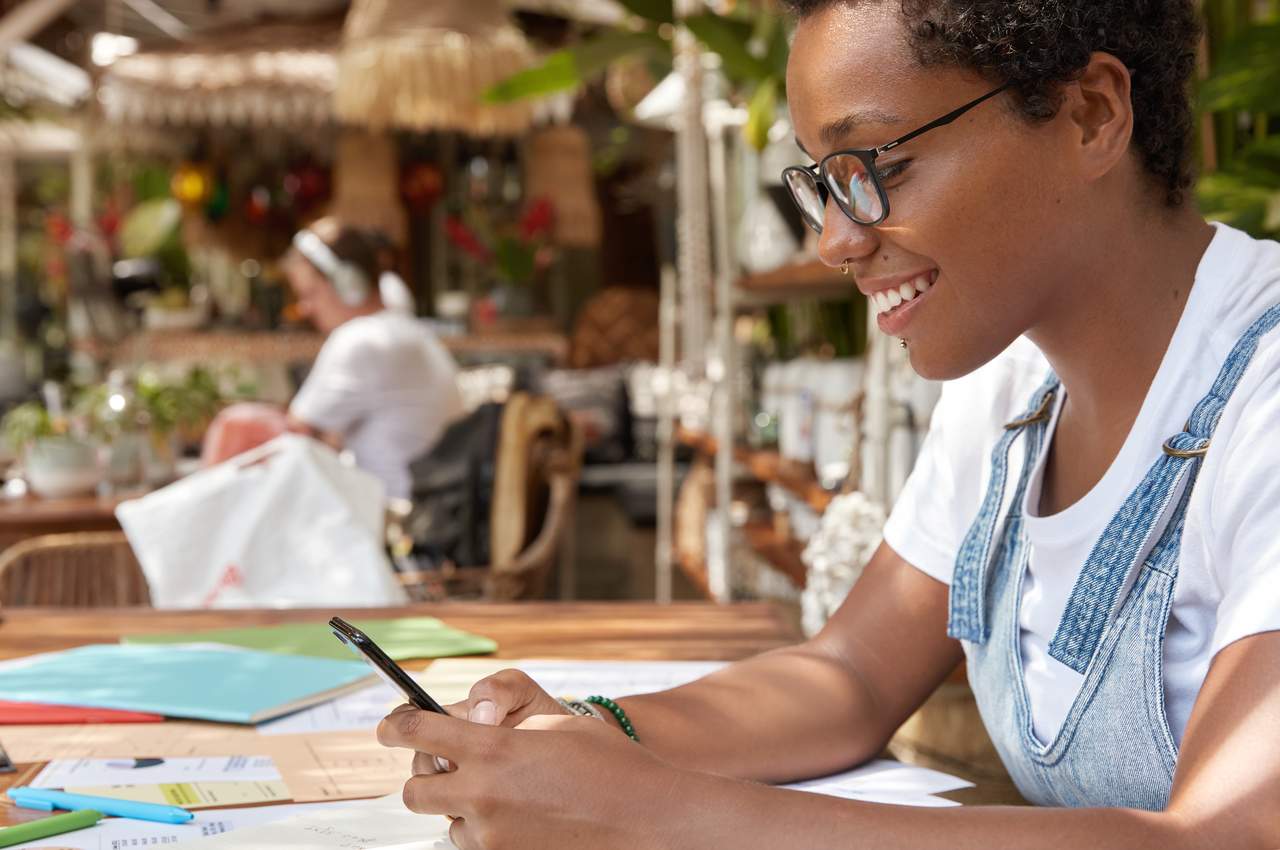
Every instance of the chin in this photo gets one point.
(940, 361)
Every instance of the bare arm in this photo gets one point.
(330, 438)
(807, 711)
(819, 707)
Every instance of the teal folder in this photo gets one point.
(192, 681)
(400, 638)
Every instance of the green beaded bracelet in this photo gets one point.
(616, 710)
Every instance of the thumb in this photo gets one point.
(484, 711)
(495, 697)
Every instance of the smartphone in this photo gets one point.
(391, 672)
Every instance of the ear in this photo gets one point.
(1099, 107)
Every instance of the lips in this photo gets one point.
(895, 306)
(889, 298)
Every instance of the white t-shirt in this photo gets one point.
(388, 386)
(1229, 576)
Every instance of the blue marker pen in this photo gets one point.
(45, 799)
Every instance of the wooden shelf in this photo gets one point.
(767, 465)
(809, 279)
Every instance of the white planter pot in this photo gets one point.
(57, 467)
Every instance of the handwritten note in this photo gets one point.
(366, 825)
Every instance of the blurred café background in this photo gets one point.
(661, 393)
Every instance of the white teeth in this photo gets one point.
(887, 299)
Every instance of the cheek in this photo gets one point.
(993, 228)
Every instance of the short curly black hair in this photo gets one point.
(1036, 45)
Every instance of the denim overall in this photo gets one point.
(1115, 747)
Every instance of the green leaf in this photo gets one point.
(778, 51)
(658, 11)
(728, 37)
(1246, 73)
(565, 70)
(515, 260)
(762, 113)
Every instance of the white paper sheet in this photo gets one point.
(449, 680)
(62, 773)
(385, 824)
(361, 709)
(885, 781)
(126, 834)
(381, 824)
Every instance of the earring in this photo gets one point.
(902, 343)
(844, 268)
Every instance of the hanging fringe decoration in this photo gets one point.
(420, 66)
(272, 75)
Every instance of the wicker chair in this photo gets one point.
(86, 570)
(534, 494)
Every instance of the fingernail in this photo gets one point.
(443, 764)
(485, 711)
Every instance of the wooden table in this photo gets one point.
(598, 630)
(588, 630)
(605, 630)
(33, 516)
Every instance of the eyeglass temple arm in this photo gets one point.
(946, 119)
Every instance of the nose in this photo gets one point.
(843, 238)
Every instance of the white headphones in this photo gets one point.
(351, 284)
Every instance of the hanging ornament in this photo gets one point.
(58, 227)
(421, 186)
(313, 184)
(219, 203)
(258, 207)
(109, 219)
(191, 184)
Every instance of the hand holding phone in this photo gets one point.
(392, 673)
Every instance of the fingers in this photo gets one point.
(561, 723)
(428, 732)
(506, 692)
(426, 763)
(433, 795)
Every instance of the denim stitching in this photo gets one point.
(1097, 590)
(967, 616)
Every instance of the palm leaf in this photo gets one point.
(1246, 73)
(567, 69)
(729, 37)
(658, 11)
(762, 113)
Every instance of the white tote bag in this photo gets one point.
(284, 525)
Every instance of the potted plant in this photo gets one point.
(512, 252)
(56, 462)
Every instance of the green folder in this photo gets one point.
(401, 638)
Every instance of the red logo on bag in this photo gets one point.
(231, 577)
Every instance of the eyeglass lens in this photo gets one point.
(855, 189)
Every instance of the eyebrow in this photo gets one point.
(835, 131)
(832, 133)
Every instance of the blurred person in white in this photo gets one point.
(383, 385)
(395, 293)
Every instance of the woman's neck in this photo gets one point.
(1106, 334)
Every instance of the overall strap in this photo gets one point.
(967, 619)
(1097, 592)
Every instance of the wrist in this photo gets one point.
(619, 714)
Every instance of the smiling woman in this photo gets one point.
(1091, 524)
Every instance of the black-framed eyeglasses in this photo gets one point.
(850, 176)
